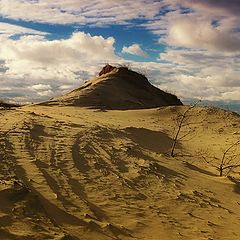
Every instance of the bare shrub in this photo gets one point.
(227, 162)
(182, 121)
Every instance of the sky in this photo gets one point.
(190, 48)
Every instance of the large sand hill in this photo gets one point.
(116, 88)
(76, 173)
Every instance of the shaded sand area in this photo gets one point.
(76, 173)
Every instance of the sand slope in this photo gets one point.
(75, 173)
(120, 88)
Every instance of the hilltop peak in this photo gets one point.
(106, 69)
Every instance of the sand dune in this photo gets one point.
(76, 173)
(117, 88)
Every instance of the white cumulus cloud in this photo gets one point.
(193, 32)
(134, 49)
(37, 64)
(41, 87)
